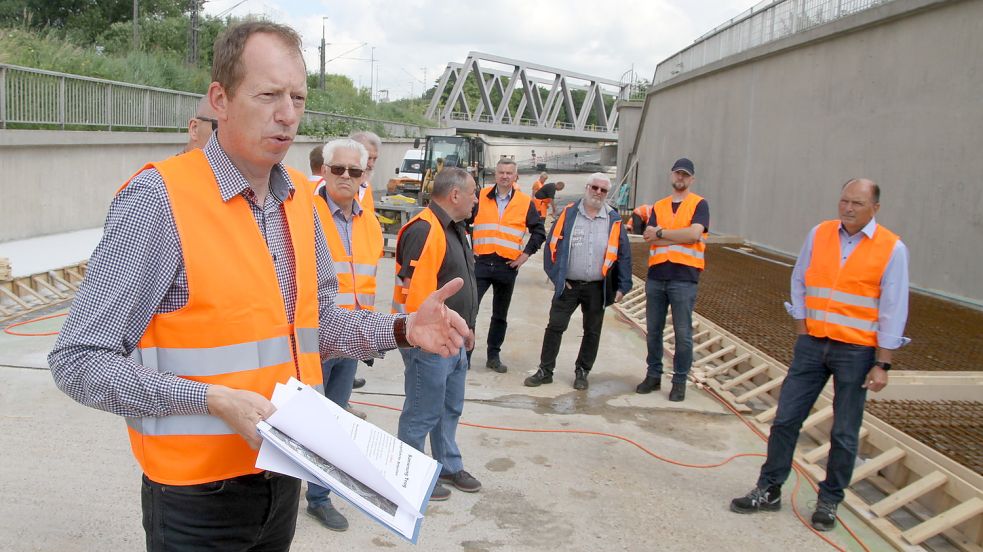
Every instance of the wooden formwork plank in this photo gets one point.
(920, 487)
(14, 297)
(746, 376)
(760, 390)
(766, 416)
(877, 463)
(712, 340)
(57, 278)
(822, 450)
(41, 281)
(817, 417)
(31, 291)
(722, 352)
(946, 520)
(720, 369)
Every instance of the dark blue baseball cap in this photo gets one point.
(684, 165)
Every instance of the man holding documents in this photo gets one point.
(433, 249)
(355, 239)
(212, 283)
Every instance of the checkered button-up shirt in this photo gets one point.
(137, 271)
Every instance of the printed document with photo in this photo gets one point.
(311, 438)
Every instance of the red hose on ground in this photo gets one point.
(33, 320)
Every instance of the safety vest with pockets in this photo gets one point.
(500, 235)
(690, 254)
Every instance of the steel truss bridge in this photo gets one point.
(499, 78)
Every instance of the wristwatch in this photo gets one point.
(883, 365)
(658, 233)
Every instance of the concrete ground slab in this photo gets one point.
(70, 483)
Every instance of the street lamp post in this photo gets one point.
(323, 45)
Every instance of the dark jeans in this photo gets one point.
(501, 278)
(814, 361)
(339, 375)
(659, 296)
(590, 297)
(252, 512)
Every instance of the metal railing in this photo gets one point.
(766, 22)
(35, 97)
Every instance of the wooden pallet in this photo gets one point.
(26, 294)
(908, 493)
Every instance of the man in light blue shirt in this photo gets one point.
(850, 306)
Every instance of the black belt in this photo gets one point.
(583, 282)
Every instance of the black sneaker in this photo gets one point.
(358, 383)
(327, 516)
(496, 365)
(539, 378)
(580, 379)
(824, 518)
(462, 480)
(678, 392)
(649, 384)
(768, 499)
(440, 493)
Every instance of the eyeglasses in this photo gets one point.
(338, 171)
(214, 122)
(597, 189)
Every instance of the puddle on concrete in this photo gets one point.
(382, 543)
(480, 546)
(534, 527)
(693, 428)
(500, 465)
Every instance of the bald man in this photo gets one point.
(201, 126)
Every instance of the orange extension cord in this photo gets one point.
(799, 472)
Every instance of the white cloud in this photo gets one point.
(603, 39)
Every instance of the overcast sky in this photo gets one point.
(414, 39)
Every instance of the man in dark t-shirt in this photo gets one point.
(547, 195)
(676, 233)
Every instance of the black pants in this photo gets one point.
(590, 297)
(500, 277)
(251, 512)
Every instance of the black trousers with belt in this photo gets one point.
(495, 273)
(589, 296)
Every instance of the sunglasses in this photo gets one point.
(214, 122)
(338, 171)
(597, 189)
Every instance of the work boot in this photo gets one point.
(327, 516)
(355, 412)
(768, 499)
(824, 518)
(580, 379)
(462, 480)
(496, 365)
(358, 382)
(678, 392)
(649, 384)
(440, 493)
(540, 377)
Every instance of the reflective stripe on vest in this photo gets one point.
(500, 235)
(356, 272)
(233, 330)
(684, 254)
(842, 298)
(424, 279)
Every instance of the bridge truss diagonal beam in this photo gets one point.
(517, 97)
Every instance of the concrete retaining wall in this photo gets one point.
(893, 94)
(55, 181)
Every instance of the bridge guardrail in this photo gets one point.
(47, 98)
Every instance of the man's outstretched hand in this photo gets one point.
(436, 328)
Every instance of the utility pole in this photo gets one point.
(193, 33)
(372, 75)
(323, 46)
(136, 25)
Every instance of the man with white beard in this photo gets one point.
(589, 261)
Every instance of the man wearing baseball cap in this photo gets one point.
(675, 230)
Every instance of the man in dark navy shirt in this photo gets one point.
(675, 231)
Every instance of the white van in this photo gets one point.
(412, 166)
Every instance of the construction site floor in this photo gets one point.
(743, 290)
(69, 482)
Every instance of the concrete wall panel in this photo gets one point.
(776, 131)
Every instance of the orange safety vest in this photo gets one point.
(610, 254)
(684, 254)
(842, 299)
(233, 331)
(501, 236)
(365, 199)
(542, 205)
(356, 272)
(424, 280)
(643, 212)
